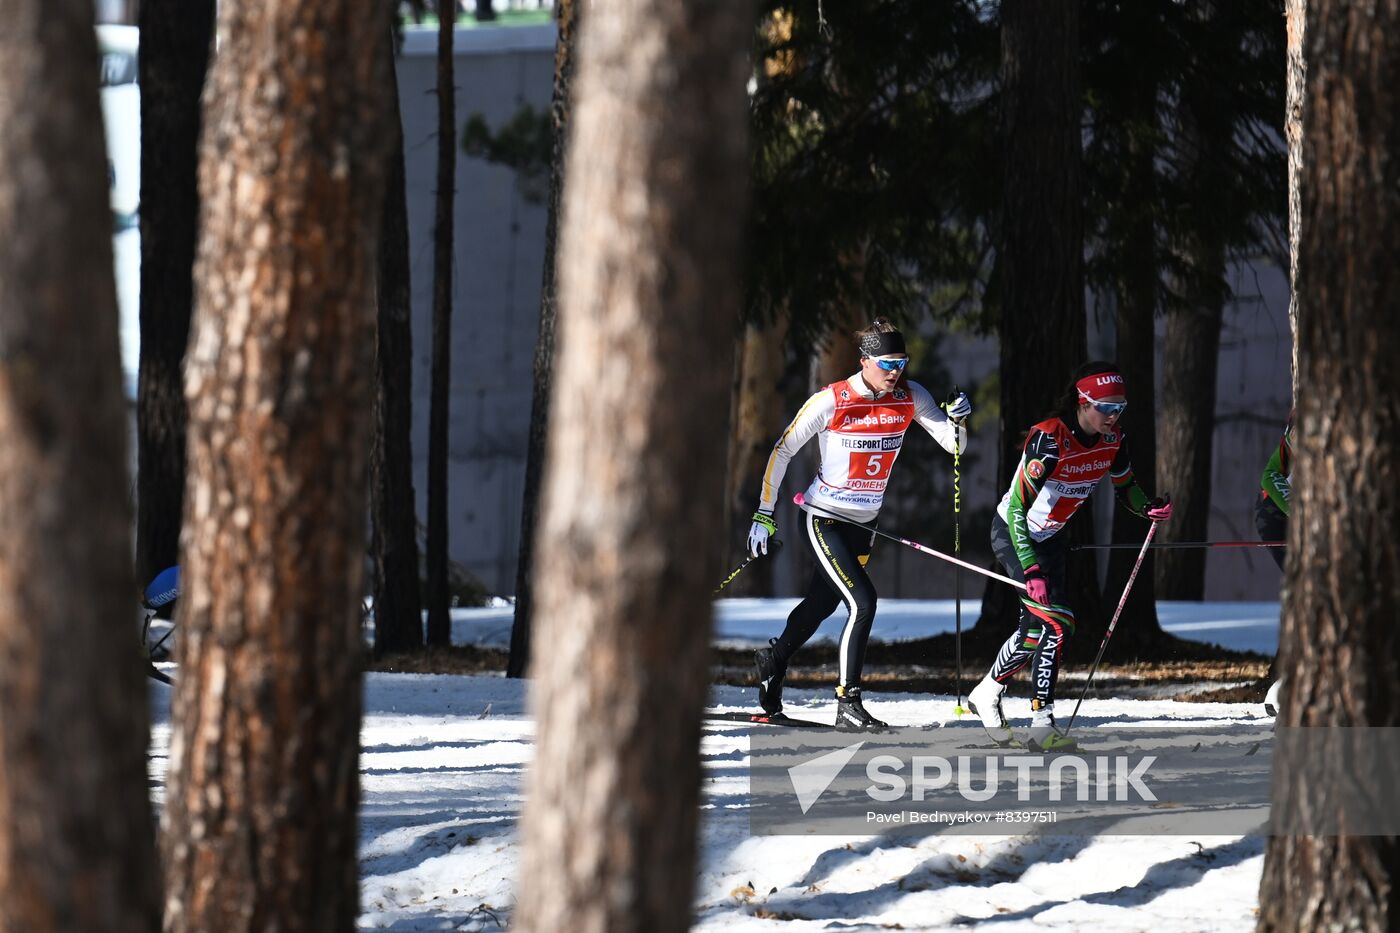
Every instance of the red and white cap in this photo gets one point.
(1100, 386)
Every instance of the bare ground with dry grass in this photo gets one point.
(1207, 674)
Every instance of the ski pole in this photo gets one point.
(958, 709)
(163, 639)
(801, 500)
(774, 546)
(1113, 623)
(1168, 545)
(146, 635)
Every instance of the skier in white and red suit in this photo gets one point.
(859, 424)
(1063, 459)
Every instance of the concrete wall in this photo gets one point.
(1253, 397)
(498, 258)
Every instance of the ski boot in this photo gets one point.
(1045, 736)
(770, 678)
(985, 701)
(851, 715)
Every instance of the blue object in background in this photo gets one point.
(164, 589)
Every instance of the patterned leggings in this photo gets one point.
(1043, 630)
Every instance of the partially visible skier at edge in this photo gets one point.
(1271, 518)
(860, 424)
(1063, 459)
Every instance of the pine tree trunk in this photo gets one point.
(757, 417)
(1187, 433)
(398, 606)
(760, 367)
(77, 851)
(1137, 289)
(836, 357)
(1040, 263)
(175, 40)
(1338, 649)
(267, 707)
(1191, 353)
(567, 17)
(628, 551)
(439, 436)
(1296, 16)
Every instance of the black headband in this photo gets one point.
(882, 344)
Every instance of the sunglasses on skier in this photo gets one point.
(1109, 408)
(893, 366)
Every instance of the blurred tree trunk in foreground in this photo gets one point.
(629, 541)
(260, 820)
(77, 852)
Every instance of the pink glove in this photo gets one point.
(1160, 509)
(1036, 587)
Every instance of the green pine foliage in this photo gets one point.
(873, 126)
(1199, 83)
(524, 143)
(876, 152)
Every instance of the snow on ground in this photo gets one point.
(442, 766)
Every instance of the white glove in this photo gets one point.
(958, 406)
(763, 526)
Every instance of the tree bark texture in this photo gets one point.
(1187, 432)
(77, 852)
(1191, 355)
(757, 419)
(1137, 289)
(260, 821)
(1040, 262)
(398, 605)
(1296, 17)
(837, 356)
(566, 13)
(649, 278)
(440, 389)
(175, 40)
(1339, 643)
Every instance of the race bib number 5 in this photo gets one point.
(867, 465)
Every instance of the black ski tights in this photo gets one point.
(841, 549)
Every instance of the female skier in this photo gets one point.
(1271, 518)
(1275, 490)
(859, 423)
(1063, 459)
